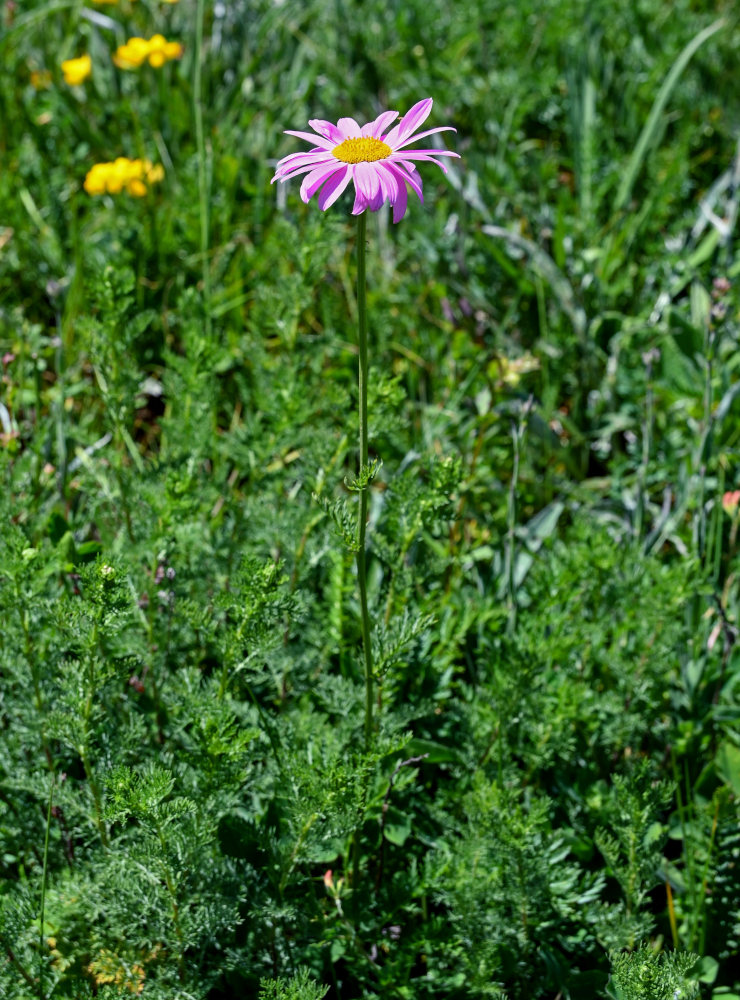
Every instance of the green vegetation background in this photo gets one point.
(550, 806)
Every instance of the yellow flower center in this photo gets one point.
(361, 150)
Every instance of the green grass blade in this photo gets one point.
(652, 125)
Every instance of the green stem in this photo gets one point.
(202, 163)
(362, 514)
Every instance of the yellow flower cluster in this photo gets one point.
(156, 50)
(76, 70)
(123, 175)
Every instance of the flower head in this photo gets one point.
(123, 174)
(373, 156)
(76, 70)
(160, 50)
(157, 50)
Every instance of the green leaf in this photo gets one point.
(397, 827)
(727, 762)
(653, 124)
(613, 991)
(705, 970)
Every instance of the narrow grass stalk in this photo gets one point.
(364, 487)
(671, 915)
(647, 439)
(202, 161)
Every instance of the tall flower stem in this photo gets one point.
(364, 485)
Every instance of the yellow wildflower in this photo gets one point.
(76, 70)
(160, 50)
(154, 173)
(95, 180)
(157, 50)
(132, 54)
(123, 174)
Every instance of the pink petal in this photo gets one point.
(305, 170)
(348, 128)
(399, 208)
(327, 129)
(411, 176)
(387, 183)
(360, 203)
(314, 139)
(313, 180)
(295, 160)
(400, 196)
(406, 154)
(419, 154)
(334, 188)
(301, 166)
(366, 179)
(423, 135)
(410, 121)
(381, 123)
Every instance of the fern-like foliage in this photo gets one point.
(647, 974)
(513, 893)
(298, 987)
(631, 848)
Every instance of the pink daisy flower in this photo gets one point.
(372, 157)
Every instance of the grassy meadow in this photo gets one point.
(491, 749)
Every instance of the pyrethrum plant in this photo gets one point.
(647, 974)
(513, 895)
(631, 847)
(374, 159)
